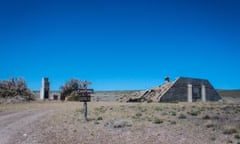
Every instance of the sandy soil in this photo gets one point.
(118, 123)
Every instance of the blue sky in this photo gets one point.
(120, 44)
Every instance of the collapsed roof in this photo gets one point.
(183, 89)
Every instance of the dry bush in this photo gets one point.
(120, 123)
(237, 136)
(210, 124)
(229, 130)
(15, 87)
(158, 121)
(182, 116)
(206, 117)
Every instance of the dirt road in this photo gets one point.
(17, 125)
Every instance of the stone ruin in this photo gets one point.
(45, 89)
(183, 89)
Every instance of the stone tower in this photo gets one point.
(45, 89)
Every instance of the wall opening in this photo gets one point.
(55, 97)
(46, 96)
(196, 94)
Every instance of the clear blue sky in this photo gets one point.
(120, 44)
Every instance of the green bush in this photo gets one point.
(173, 113)
(158, 121)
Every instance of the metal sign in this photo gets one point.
(85, 98)
(84, 95)
(89, 91)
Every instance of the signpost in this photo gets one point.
(85, 96)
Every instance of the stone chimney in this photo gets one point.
(45, 89)
(167, 79)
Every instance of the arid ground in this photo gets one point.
(120, 123)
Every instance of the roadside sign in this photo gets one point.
(85, 98)
(89, 91)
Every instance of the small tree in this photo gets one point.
(69, 87)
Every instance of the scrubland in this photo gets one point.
(114, 122)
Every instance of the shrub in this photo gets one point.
(194, 113)
(149, 101)
(229, 130)
(164, 113)
(120, 123)
(15, 87)
(206, 117)
(78, 110)
(238, 125)
(216, 117)
(143, 109)
(138, 114)
(213, 138)
(158, 109)
(173, 113)
(173, 122)
(100, 118)
(209, 124)
(237, 136)
(158, 121)
(96, 122)
(182, 116)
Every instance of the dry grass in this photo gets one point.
(113, 122)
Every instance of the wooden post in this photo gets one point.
(85, 97)
(85, 111)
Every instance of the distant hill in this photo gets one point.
(113, 95)
(229, 93)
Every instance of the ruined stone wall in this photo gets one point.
(179, 92)
(51, 94)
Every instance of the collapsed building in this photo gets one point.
(183, 89)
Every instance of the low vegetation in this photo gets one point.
(229, 130)
(190, 120)
(15, 90)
